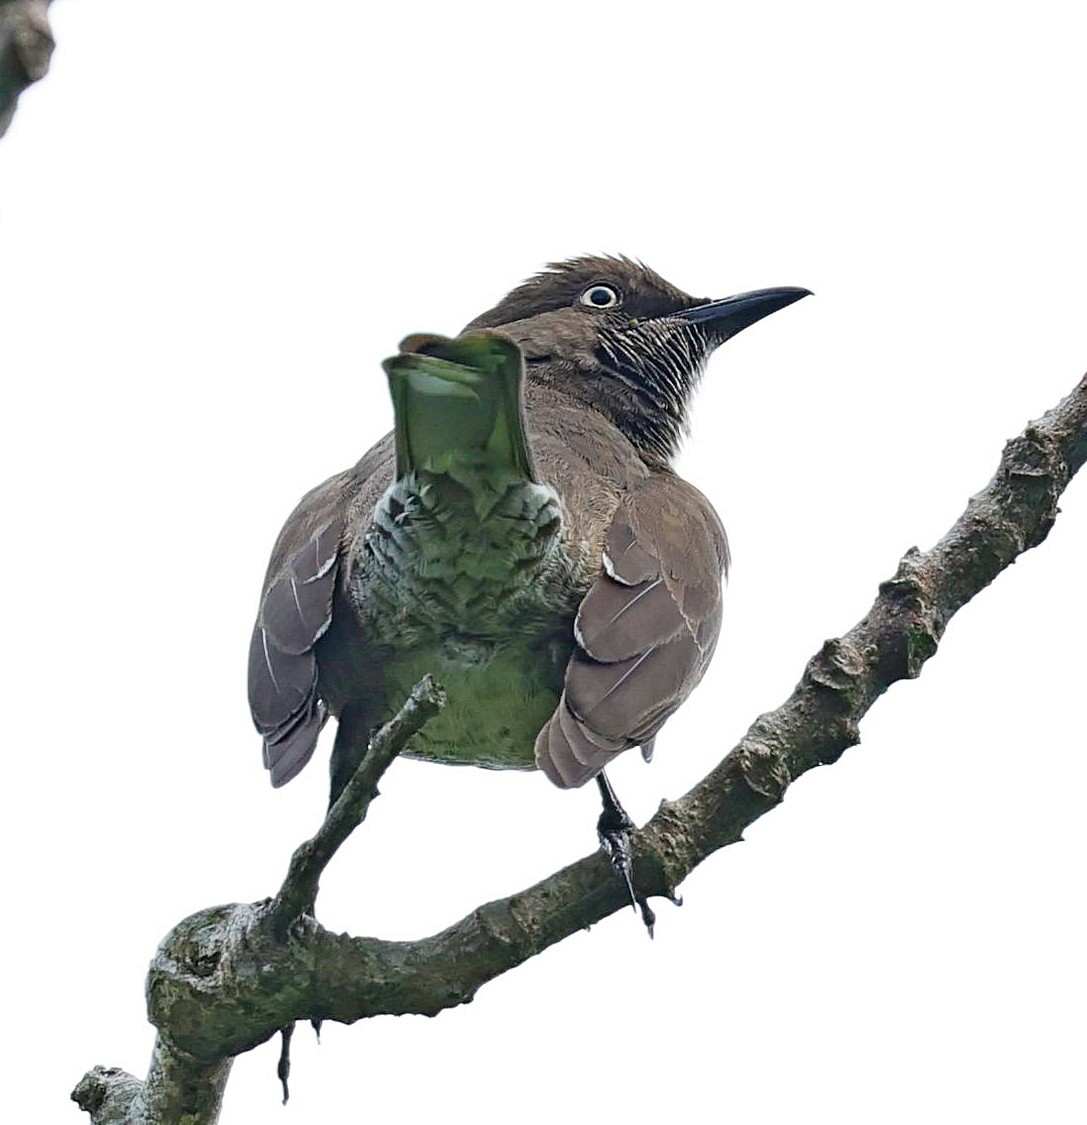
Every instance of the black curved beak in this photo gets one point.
(721, 320)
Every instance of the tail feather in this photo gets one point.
(458, 406)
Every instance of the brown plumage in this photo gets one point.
(568, 594)
(645, 631)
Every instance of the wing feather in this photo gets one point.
(644, 632)
(286, 697)
(295, 613)
(615, 621)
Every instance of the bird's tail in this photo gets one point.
(458, 406)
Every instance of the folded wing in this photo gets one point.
(644, 633)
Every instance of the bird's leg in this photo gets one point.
(614, 828)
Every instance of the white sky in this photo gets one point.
(215, 221)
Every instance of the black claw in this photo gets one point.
(649, 919)
(614, 829)
(615, 844)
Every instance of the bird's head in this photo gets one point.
(619, 338)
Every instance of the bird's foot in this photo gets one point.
(614, 830)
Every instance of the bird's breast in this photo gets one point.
(477, 585)
(464, 563)
(499, 696)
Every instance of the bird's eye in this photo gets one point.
(600, 297)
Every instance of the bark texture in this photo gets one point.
(26, 45)
(228, 978)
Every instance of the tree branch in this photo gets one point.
(227, 979)
(26, 45)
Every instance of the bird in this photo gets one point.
(522, 535)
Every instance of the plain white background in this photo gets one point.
(215, 221)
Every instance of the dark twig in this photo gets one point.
(299, 889)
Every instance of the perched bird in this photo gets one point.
(521, 535)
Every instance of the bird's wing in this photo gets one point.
(644, 632)
(296, 611)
